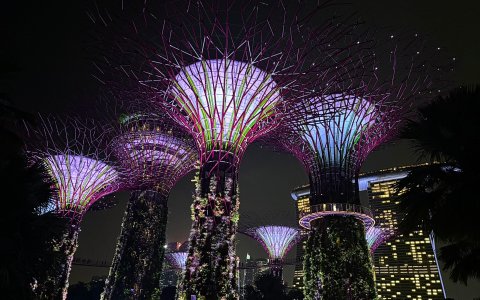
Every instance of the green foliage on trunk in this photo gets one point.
(138, 261)
(211, 264)
(337, 263)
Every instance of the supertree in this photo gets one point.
(227, 76)
(76, 157)
(277, 241)
(332, 138)
(156, 154)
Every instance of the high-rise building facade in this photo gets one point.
(250, 269)
(301, 195)
(405, 265)
(169, 276)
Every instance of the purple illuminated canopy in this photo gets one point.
(224, 101)
(155, 153)
(177, 259)
(333, 132)
(277, 240)
(76, 156)
(80, 181)
(338, 127)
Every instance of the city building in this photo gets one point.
(250, 269)
(169, 276)
(405, 266)
(302, 205)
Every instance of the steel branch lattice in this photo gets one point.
(154, 152)
(339, 131)
(333, 134)
(276, 240)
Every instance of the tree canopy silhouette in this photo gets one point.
(443, 196)
(26, 235)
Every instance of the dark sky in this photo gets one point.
(46, 45)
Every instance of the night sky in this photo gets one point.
(46, 46)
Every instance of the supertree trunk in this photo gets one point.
(138, 260)
(333, 186)
(211, 264)
(69, 247)
(55, 283)
(276, 269)
(337, 263)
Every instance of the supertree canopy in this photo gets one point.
(156, 152)
(340, 126)
(177, 259)
(76, 158)
(156, 155)
(228, 76)
(277, 241)
(79, 181)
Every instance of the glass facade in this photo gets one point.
(250, 269)
(405, 266)
(302, 204)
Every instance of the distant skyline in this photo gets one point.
(47, 45)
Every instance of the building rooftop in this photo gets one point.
(364, 179)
